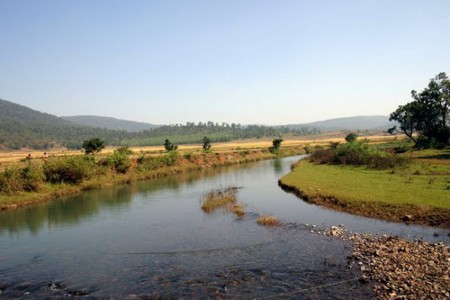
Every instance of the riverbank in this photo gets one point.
(397, 268)
(417, 195)
(180, 163)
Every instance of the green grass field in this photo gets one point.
(412, 186)
(420, 190)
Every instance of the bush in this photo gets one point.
(94, 145)
(15, 180)
(380, 162)
(10, 181)
(357, 154)
(69, 169)
(32, 177)
(324, 156)
(120, 161)
(153, 163)
(351, 137)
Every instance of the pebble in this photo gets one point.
(399, 269)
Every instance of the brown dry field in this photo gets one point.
(8, 157)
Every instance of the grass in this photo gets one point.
(238, 210)
(266, 220)
(421, 188)
(219, 198)
(223, 199)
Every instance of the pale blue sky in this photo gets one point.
(266, 62)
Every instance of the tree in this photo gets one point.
(427, 114)
(276, 145)
(206, 143)
(93, 146)
(351, 137)
(169, 146)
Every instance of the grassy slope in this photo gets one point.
(422, 189)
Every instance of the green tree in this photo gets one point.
(206, 143)
(427, 114)
(94, 145)
(351, 137)
(169, 146)
(276, 145)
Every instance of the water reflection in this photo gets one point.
(151, 240)
(278, 166)
(75, 209)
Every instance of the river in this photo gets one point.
(152, 240)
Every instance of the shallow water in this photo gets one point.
(151, 239)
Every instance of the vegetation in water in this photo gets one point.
(31, 181)
(220, 199)
(266, 220)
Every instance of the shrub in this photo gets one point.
(125, 150)
(357, 154)
(187, 155)
(94, 145)
(382, 161)
(120, 161)
(169, 146)
(69, 169)
(153, 163)
(276, 145)
(206, 144)
(14, 180)
(32, 177)
(351, 137)
(308, 149)
(324, 156)
(10, 181)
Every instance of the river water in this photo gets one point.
(152, 240)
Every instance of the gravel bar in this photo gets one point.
(398, 268)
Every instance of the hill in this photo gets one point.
(22, 127)
(109, 123)
(349, 123)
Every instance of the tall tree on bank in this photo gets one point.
(93, 146)
(427, 114)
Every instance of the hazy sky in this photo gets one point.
(266, 62)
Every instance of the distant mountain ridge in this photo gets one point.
(22, 127)
(349, 123)
(109, 123)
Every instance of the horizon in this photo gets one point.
(203, 121)
(256, 62)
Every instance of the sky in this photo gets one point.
(245, 61)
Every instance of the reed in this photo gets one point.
(266, 220)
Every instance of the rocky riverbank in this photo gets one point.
(399, 269)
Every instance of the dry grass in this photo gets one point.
(322, 139)
(238, 210)
(219, 198)
(265, 220)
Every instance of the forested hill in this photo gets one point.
(110, 123)
(350, 123)
(22, 127)
(194, 133)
